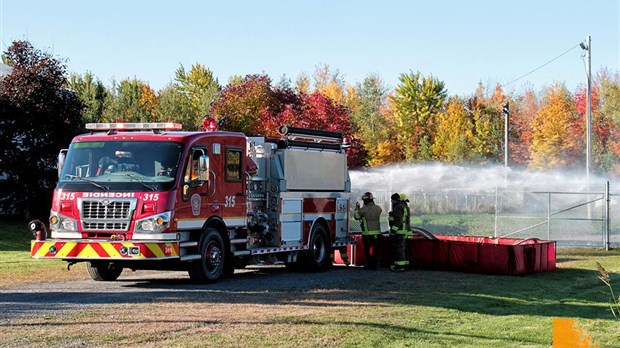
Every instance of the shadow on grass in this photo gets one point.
(14, 235)
(564, 293)
(450, 338)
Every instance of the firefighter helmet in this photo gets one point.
(404, 198)
(367, 196)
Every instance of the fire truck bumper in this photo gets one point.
(103, 250)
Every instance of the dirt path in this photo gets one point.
(149, 286)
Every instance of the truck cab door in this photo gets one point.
(233, 187)
(197, 186)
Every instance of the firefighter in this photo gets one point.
(369, 215)
(407, 219)
(397, 220)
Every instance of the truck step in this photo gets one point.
(189, 258)
(238, 241)
(189, 244)
(242, 252)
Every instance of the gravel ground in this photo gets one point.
(34, 300)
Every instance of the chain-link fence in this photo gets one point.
(570, 218)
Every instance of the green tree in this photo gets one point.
(553, 139)
(131, 100)
(200, 87)
(92, 93)
(609, 111)
(417, 100)
(38, 117)
(369, 98)
(235, 80)
(174, 106)
(488, 133)
(284, 83)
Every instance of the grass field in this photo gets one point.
(368, 309)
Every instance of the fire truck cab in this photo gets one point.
(150, 196)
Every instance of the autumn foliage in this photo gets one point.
(414, 121)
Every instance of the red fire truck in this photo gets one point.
(150, 196)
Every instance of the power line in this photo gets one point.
(540, 67)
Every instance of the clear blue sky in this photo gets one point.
(459, 42)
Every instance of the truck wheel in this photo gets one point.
(318, 257)
(212, 258)
(103, 271)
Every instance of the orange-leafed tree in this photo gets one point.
(330, 84)
(455, 133)
(388, 151)
(523, 109)
(149, 101)
(553, 138)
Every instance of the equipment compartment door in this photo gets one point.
(342, 218)
(291, 218)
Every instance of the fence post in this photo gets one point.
(607, 228)
(496, 211)
(549, 216)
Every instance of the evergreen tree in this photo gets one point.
(92, 93)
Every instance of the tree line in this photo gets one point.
(416, 121)
(43, 106)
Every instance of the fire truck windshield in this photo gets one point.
(121, 165)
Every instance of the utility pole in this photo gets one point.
(506, 111)
(588, 48)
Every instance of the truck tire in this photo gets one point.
(212, 250)
(318, 256)
(103, 271)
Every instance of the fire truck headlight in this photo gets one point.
(146, 225)
(62, 223)
(67, 224)
(153, 224)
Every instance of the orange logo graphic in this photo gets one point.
(566, 334)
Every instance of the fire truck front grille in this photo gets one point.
(101, 210)
(107, 215)
(116, 226)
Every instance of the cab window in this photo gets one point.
(233, 164)
(191, 170)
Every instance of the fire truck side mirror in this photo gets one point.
(62, 155)
(203, 168)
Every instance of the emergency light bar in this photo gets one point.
(134, 126)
